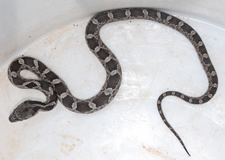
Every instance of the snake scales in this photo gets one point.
(55, 88)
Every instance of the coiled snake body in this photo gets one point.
(55, 88)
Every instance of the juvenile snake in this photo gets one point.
(55, 88)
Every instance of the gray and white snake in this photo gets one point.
(55, 88)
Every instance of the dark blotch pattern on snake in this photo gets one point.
(55, 88)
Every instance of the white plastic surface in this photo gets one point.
(154, 59)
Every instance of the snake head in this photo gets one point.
(24, 111)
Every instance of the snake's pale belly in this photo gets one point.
(55, 88)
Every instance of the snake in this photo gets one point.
(55, 88)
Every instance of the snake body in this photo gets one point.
(55, 88)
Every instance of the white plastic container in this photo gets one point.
(154, 59)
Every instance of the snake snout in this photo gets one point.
(13, 118)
